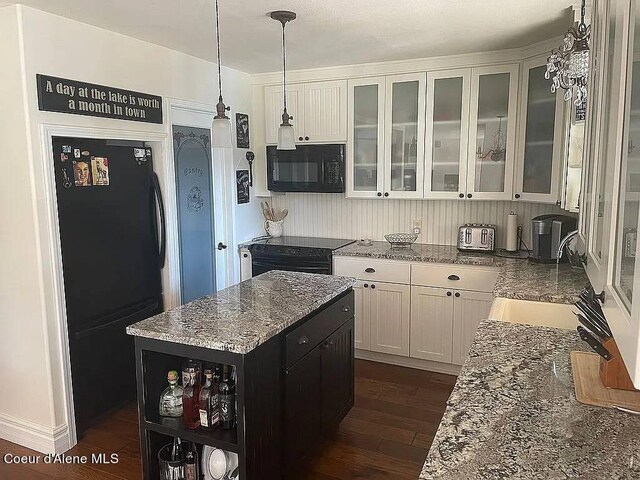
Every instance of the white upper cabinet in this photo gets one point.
(540, 137)
(385, 156)
(273, 106)
(325, 112)
(447, 134)
(319, 111)
(365, 145)
(404, 136)
(492, 132)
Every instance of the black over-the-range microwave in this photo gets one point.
(308, 168)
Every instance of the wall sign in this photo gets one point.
(242, 186)
(79, 98)
(242, 130)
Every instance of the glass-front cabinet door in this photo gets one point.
(621, 306)
(540, 137)
(365, 152)
(447, 134)
(404, 136)
(492, 132)
(605, 142)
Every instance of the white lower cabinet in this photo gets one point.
(362, 327)
(469, 309)
(423, 321)
(431, 323)
(390, 306)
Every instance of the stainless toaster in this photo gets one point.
(477, 237)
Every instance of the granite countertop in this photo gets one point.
(518, 278)
(246, 315)
(513, 414)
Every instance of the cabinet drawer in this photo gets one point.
(373, 269)
(314, 331)
(459, 277)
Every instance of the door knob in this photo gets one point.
(448, 294)
(457, 294)
(303, 341)
(345, 309)
(221, 246)
(461, 195)
(517, 195)
(386, 194)
(300, 139)
(366, 285)
(379, 194)
(373, 286)
(469, 195)
(306, 138)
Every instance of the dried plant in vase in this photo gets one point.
(273, 221)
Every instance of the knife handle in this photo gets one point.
(594, 343)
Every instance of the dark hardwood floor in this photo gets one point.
(385, 436)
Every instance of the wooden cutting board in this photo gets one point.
(589, 388)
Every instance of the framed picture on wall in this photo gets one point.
(242, 130)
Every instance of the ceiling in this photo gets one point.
(326, 32)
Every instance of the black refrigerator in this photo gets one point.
(112, 232)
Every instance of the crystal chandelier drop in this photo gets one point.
(569, 63)
(498, 152)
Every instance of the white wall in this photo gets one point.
(23, 353)
(62, 47)
(333, 216)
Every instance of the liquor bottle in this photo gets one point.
(191, 392)
(204, 401)
(214, 400)
(171, 398)
(227, 399)
(176, 450)
(191, 471)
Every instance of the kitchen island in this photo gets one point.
(513, 414)
(289, 337)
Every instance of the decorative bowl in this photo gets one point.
(401, 239)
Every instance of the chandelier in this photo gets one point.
(497, 153)
(569, 63)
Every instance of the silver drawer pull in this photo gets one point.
(453, 277)
(345, 309)
(303, 341)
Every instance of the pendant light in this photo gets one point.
(286, 135)
(221, 128)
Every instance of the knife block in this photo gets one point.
(613, 373)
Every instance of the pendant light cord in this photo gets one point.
(284, 68)
(218, 42)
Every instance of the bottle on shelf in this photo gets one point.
(171, 398)
(191, 470)
(204, 401)
(191, 393)
(176, 450)
(227, 399)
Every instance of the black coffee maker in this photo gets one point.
(547, 232)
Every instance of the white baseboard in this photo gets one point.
(34, 436)
(438, 367)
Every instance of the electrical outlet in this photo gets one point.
(417, 227)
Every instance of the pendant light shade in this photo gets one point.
(221, 133)
(286, 134)
(286, 138)
(221, 128)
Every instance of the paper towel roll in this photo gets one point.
(512, 232)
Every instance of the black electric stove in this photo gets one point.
(295, 254)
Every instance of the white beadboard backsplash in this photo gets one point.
(334, 216)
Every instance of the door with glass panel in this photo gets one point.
(404, 136)
(540, 137)
(492, 132)
(365, 152)
(447, 134)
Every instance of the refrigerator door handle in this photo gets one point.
(163, 220)
(126, 320)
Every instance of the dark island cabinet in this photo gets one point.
(319, 386)
(291, 391)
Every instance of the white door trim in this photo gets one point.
(55, 306)
(197, 115)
